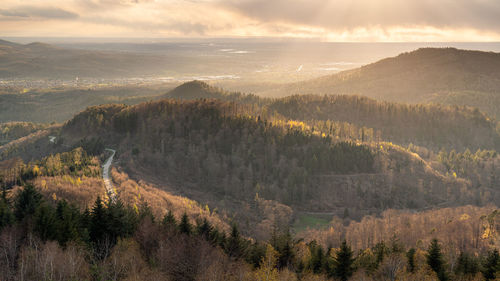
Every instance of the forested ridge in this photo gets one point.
(361, 118)
(443, 75)
(220, 145)
(15, 130)
(431, 126)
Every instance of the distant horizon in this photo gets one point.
(231, 38)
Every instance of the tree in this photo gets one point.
(169, 220)
(435, 260)
(284, 246)
(6, 215)
(234, 244)
(98, 230)
(466, 265)
(27, 201)
(45, 222)
(411, 259)
(492, 265)
(343, 263)
(203, 228)
(67, 222)
(184, 225)
(267, 270)
(317, 261)
(122, 220)
(380, 250)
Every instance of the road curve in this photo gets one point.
(105, 175)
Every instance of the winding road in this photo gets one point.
(105, 175)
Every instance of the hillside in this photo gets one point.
(213, 152)
(226, 153)
(361, 118)
(432, 126)
(419, 76)
(15, 130)
(40, 60)
(210, 162)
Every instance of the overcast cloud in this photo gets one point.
(343, 20)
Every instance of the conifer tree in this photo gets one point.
(466, 265)
(435, 260)
(343, 267)
(169, 220)
(27, 201)
(411, 259)
(492, 265)
(184, 225)
(6, 215)
(234, 244)
(98, 221)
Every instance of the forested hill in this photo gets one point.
(201, 90)
(427, 74)
(361, 118)
(433, 126)
(217, 148)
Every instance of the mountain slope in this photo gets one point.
(215, 148)
(365, 119)
(417, 76)
(432, 126)
(215, 153)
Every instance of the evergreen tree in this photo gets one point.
(68, 219)
(492, 265)
(169, 220)
(317, 262)
(27, 201)
(283, 244)
(45, 222)
(122, 220)
(435, 260)
(145, 212)
(6, 215)
(98, 222)
(204, 228)
(380, 250)
(343, 263)
(234, 244)
(466, 265)
(184, 225)
(411, 259)
(256, 252)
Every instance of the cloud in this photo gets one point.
(351, 14)
(38, 12)
(344, 20)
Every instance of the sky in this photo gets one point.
(325, 20)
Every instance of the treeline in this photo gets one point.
(75, 163)
(462, 229)
(219, 145)
(14, 130)
(444, 75)
(432, 126)
(482, 168)
(113, 241)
